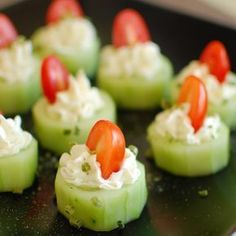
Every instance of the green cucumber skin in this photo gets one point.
(75, 60)
(134, 93)
(19, 97)
(190, 159)
(59, 136)
(17, 172)
(113, 206)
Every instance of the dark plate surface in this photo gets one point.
(174, 205)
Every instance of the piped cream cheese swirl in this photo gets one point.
(17, 62)
(175, 124)
(81, 169)
(12, 138)
(80, 100)
(67, 35)
(141, 60)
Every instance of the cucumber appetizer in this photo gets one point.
(18, 156)
(184, 141)
(100, 185)
(19, 71)
(133, 70)
(78, 49)
(69, 108)
(213, 68)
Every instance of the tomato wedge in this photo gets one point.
(54, 76)
(216, 57)
(107, 140)
(8, 33)
(129, 28)
(194, 92)
(62, 8)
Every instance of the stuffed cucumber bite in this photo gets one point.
(69, 107)
(18, 156)
(132, 69)
(213, 68)
(184, 140)
(19, 70)
(100, 185)
(70, 36)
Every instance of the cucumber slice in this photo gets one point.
(190, 159)
(17, 172)
(20, 96)
(100, 209)
(74, 59)
(59, 136)
(138, 93)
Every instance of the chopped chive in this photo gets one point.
(94, 221)
(96, 202)
(120, 224)
(67, 132)
(69, 210)
(86, 167)
(203, 193)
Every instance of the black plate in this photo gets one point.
(174, 206)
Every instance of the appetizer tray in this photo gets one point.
(176, 206)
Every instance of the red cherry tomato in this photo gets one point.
(55, 77)
(108, 141)
(216, 57)
(194, 92)
(8, 32)
(62, 8)
(129, 28)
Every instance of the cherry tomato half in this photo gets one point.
(107, 140)
(62, 8)
(216, 57)
(8, 32)
(54, 76)
(194, 92)
(129, 28)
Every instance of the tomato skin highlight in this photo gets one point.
(54, 77)
(62, 8)
(216, 57)
(107, 140)
(8, 33)
(129, 28)
(194, 92)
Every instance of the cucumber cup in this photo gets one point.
(69, 108)
(18, 156)
(17, 172)
(101, 185)
(101, 209)
(78, 50)
(184, 140)
(132, 69)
